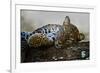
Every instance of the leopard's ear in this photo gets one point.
(66, 21)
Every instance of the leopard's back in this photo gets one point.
(54, 29)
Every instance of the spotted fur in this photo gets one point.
(55, 33)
